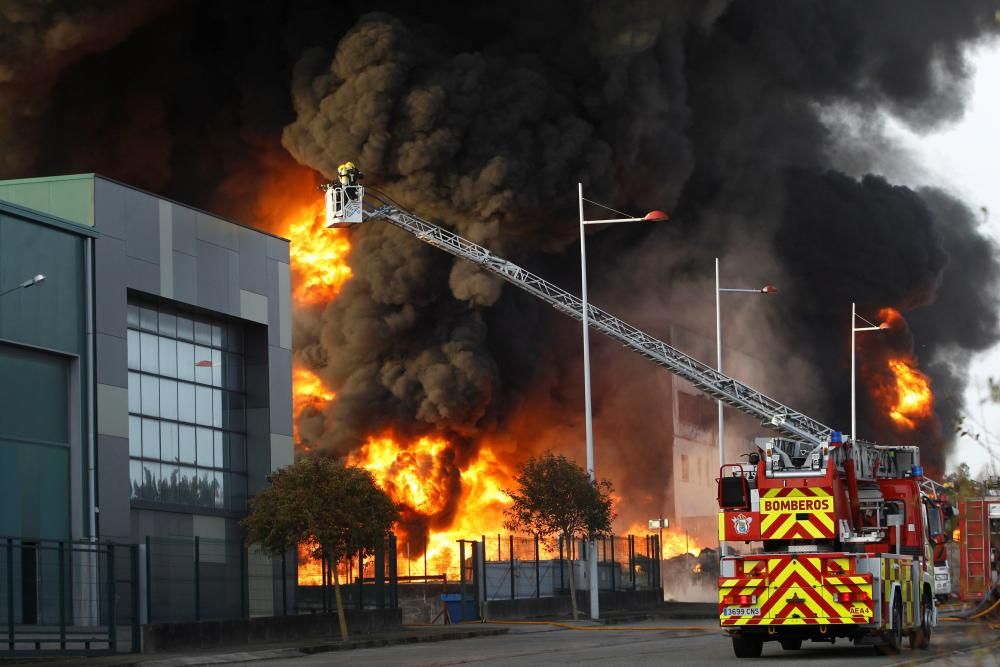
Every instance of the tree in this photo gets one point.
(337, 509)
(555, 496)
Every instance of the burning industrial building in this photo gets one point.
(433, 374)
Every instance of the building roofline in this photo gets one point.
(47, 219)
(189, 206)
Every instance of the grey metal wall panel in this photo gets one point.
(233, 286)
(112, 410)
(280, 389)
(109, 286)
(284, 306)
(258, 449)
(213, 276)
(111, 207)
(142, 226)
(166, 249)
(273, 307)
(185, 229)
(112, 360)
(216, 231)
(160, 524)
(253, 261)
(185, 278)
(115, 487)
(142, 275)
(277, 249)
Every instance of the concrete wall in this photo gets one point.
(211, 634)
(561, 606)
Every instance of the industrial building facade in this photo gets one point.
(171, 331)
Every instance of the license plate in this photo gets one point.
(741, 611)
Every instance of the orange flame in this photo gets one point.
(318, 256)
(675, 542)
(914, 400)
(308, 391)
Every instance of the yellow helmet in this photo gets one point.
(346, 167)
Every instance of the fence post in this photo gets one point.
(560, 563)
(538, 572)
(513, 574)
(134, 558)
(361, 579)
(614, 565)
(197, 578)
(631, 559)
(112, 617)
(461, 577)
(244, 580)
(149, 580)
(393, 572)
(10, 593)
(378, 576)
(62, 596)
(284, 583)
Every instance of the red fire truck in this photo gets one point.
(979, 546)
(845, 546)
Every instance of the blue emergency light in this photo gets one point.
(835, 437)
(918, 471)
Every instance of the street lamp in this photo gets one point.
(766, 289)
(652, 216)
(854, 376)
(36, 280)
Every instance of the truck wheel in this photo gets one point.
(791, 644)
(747, 647)
(922, 636)
(892, 639)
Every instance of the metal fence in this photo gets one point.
(524, 567)
(68, 597)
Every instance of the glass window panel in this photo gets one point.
(185, 402)
(216, 368)
(168, 441)
(150, 439)
(216, 335)
(150, 480)
(185, 328)
(219, 488)
(234, 371)
(217, 408)
(134, 404)
(147, 318)
(185, 360)
(133, 315)
(186, 444)
(168, 399)
(168, 357)
(202, 333)
(170, 480)
(205, 447)
(203, 364)
(148, 353)
(187, 479)
(134, 436)
(168, 324)
(206, 490)
(135, 477)
(219, 458)
(203, 405)
(150, 396)
(236, 338)
(133, 349)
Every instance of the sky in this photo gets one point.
(964, 157)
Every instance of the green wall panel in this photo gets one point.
(67, 197)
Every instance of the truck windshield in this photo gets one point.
(934, 524)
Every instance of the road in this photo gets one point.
(530, 645)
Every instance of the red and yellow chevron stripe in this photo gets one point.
(796, 590)
(789, 513)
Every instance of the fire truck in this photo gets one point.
(846, 544)
(847, 532)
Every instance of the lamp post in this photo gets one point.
(652, 216)
(854, 376)
(766, 289)
(35, 280)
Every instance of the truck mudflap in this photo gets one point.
(793, 589)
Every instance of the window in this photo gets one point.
(187, 424)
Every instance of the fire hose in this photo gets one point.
(987, 605)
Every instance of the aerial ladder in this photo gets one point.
(349, 203)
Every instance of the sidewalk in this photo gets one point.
(409, 635)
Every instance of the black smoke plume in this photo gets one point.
(484, 118)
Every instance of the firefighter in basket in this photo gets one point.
(348, 174)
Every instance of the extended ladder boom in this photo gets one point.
(352, 204)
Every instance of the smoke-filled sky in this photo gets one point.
(739, 118)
